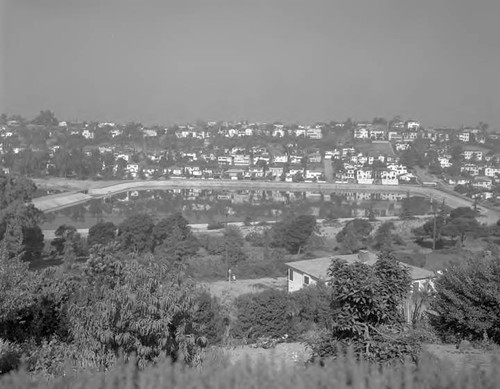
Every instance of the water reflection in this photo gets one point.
(204, 205)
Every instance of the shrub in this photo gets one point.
(256, 239)
(129, 307)
(210, 318)
(365, 300)
(467, 300)
(10, 356)
(265, 314)
(312, 308)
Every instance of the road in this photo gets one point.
(82, 191)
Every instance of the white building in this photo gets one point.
(464, 136)
(311, 271)
(389, 177)
(491, 171)
(314, 133)
(280, 158)
(361, 133)
(413, 124)
(364, 176)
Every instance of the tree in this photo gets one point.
(467, 300)
(19, 217)
(127, 307)
(364, 299)
(33, 243)
(460, 227)
(355, 235)
(136, 233)
(431, 227)
(102, 233)
(67, 239)
(46, 118)
(174, 238)
(461, 222)
(233, 245)
(406, 211)
(385, 238)
(292, 234)
(165, 227)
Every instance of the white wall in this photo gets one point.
(298, 280)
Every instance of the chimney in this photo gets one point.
(363, 255)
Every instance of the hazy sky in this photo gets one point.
(164, 61)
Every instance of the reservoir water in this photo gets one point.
(206, 205)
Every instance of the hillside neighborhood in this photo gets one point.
(394, 152)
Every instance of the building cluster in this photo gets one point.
(368, 153)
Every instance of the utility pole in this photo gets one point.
(435, 225)
(226, 253)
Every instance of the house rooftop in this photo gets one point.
(318, 267)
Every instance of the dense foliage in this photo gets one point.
(293, 233)
(274, 313)
(365, 300)
(101, 233)
(131, 307)
(467, 302)
(459, 223)
(18, 219)
(355, 235)
(266, 314)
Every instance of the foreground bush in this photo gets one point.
(265, 314)
(342, 373)
(468, 299)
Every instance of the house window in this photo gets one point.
(290, 274)
(306, 280)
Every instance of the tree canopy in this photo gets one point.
(293, 233)
(102, 233)
(125, 306)
(136, 233)
(355, 235)
(461, 222)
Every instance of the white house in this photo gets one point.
(464, 136)
(482, 183)
(361, 133)
(473, 170)
(314, 133)
(311, 271)
(364, 176)
(491, 171)
(389, 177)
(87, 134)
(241, 160)
(313, 173)
(280, 158)
(399, 169)
(444, 162)
(412, 125)
(469, 154)
(225, 160)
